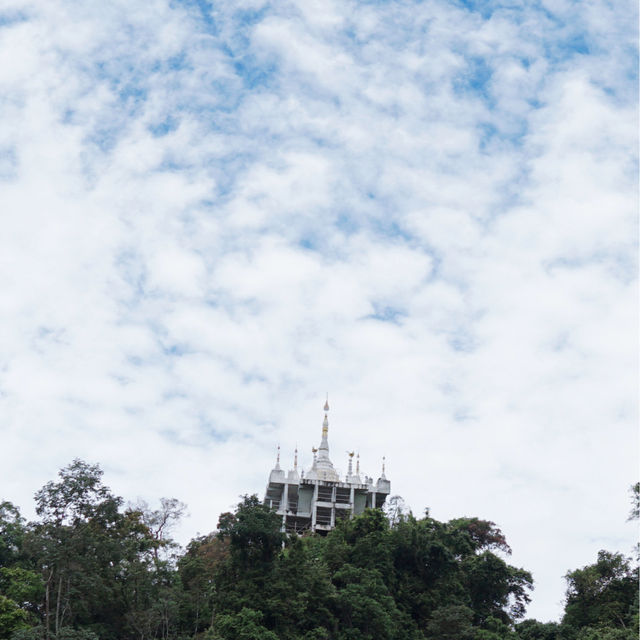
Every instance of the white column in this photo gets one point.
(333, 506)
(313, 505)
(285, 506)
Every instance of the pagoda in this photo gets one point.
(317, 499)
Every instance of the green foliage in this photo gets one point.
(253, 532)
(604, 594)
(495, 629)
(89, 569)
(12, 617)
(244, 625)
(634, 514)
(365, 608)
(21, 585)
(196, 568)
(534, 630)
(481, 535)
(452, 622)
(11, 533)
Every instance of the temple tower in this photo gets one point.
(318, 499)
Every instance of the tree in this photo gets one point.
(634, 514)
(451, 622)
(604, 594)
(197, 569)
(477, 535)
(395, 509)
(494, 629)
(533, 630)
(12, 617)
(366, 609)
(12, 530)
(244, 625)
(255, 542)
(253, 532)
(76, 547)
(100, 565)
(161, 521)
(497, 590)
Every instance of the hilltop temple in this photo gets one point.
(317, 499)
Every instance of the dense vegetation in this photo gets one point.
(90, 568)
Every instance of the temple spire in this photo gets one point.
(324, 444)
(324, 466)
(278, 459)
(295, 458)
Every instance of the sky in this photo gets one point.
(215, 213)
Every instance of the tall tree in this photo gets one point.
(12, 530)
(602, 595)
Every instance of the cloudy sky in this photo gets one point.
(214, 213)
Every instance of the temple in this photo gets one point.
(315, 501)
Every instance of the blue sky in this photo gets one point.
(213, 214)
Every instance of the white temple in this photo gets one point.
(316, 500)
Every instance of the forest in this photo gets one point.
(91, 567)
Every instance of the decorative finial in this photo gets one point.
(326, 403)
(295, 458)
(278, 458)
(383, 465)
(350, 454)
(358, 465)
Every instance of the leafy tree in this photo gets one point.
(160, 522)
(533, 630)
(634, 514)
(452, 622)
(89, 569)
(495, 629)
(606, 633)
(480, 535)
(255, 541)
(244, 625)
(497, 590)
(366, 610)
(395, 508)
(99, 566)
(302, 598)
(12, 617)
(601, 595)
(76, 545)
(197, 569)
(253, 532)
(12, 530)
